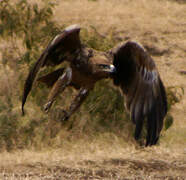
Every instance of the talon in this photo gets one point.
(47, 106)
(65, 116)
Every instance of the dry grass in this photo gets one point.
(160, 26)
(94, 162)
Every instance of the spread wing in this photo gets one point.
(137, 76)
(65, 46)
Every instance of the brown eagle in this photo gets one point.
(129, 65)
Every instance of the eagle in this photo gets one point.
(129, 66)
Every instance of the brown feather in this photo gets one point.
(52, 77)
(62, 47)
(137, 76)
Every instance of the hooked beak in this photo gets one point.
(108, 68)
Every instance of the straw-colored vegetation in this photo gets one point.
(97, 142)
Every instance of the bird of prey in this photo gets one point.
(129, 65)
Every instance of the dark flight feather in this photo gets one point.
(137, 76)
(64, 46)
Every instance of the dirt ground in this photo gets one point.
(128, 163)
(161, 27)
(107, 169)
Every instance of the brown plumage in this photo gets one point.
(134, 72)
(87, 66)
(145, 95)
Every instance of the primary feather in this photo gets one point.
(137, 76)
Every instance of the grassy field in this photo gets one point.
(160, 26)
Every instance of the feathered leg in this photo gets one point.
(59, 86)
(78, 100)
